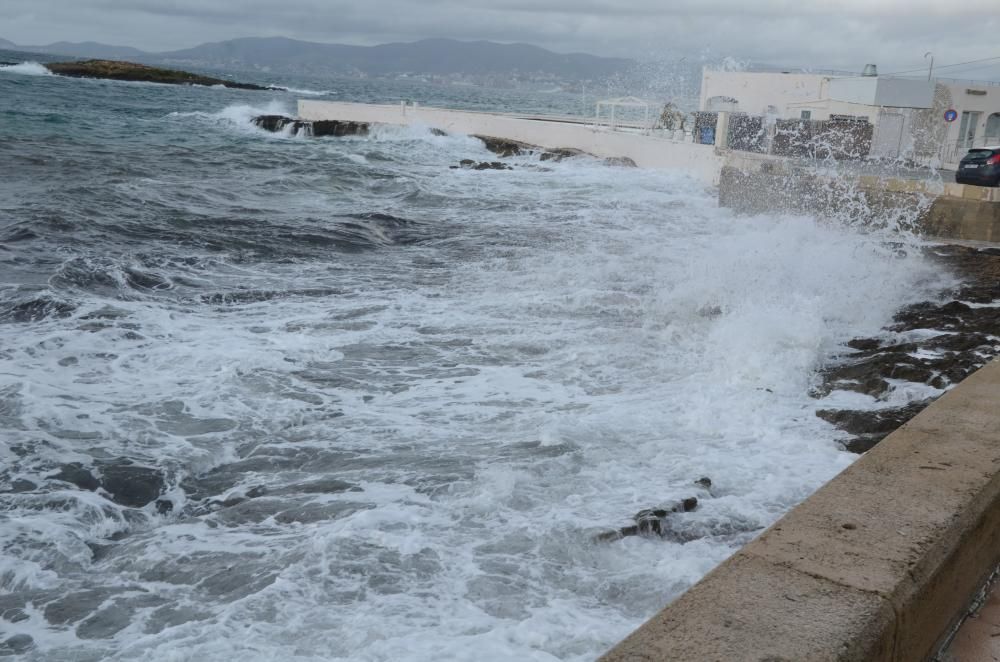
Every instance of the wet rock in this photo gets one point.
(75, 474)
(278, 123)
(164, 506)
(864, 344)
(559, 154)
(339, 129)
(492, 165)
(505, 148)
(705, 482)
(870, 426)
(316, 129)
(650, 522)
(620, 162)
(130, 484)
(438, 132)
(481, 165)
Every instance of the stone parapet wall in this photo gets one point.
(880, 564)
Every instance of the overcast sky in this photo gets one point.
(842, 34)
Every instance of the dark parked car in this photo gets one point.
(981, 166)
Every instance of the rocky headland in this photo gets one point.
(132, 71)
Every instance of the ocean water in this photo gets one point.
(388, 404)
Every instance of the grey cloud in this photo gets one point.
(845, 33)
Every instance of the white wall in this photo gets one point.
(701, 161)
(962, 101)
(756, 91)
(987, 104)
(887, 92)
(822, 110)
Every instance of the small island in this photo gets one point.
(131, 71)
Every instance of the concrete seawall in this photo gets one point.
(700, 161)
(937, 209)
(879, 564)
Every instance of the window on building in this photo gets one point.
(806, 115)
(967, 128)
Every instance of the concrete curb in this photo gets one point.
(879, 564)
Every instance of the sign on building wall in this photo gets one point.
(950, 115)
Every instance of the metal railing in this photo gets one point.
(953, 152)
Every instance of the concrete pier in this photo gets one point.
(703, 162)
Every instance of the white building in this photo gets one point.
(908, 115)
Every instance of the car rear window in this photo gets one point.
(979, 152)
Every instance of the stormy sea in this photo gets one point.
(267, 396)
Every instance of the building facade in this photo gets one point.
(909, 117)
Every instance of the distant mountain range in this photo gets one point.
(430, 56)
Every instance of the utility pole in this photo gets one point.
(930, 71)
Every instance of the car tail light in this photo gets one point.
(993, 160)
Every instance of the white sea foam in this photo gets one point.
(26, 69)
(239, 117)
(573, 344)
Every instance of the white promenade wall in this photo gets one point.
(701, 161)
(756, 93)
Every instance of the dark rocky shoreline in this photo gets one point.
(967, 322)
(132, 71)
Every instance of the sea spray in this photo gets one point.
(26, 69)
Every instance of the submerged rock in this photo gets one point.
(125, 483)
(132, 71)
(650, 522)
(278, 123)
(339, 129)
(130, 484)
(75, 474)
(317, 129)
(481, 165)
